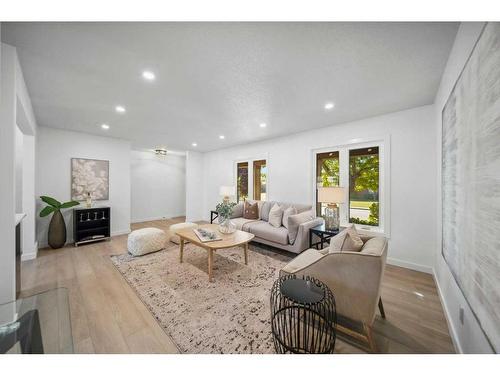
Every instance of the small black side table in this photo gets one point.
(213, 215)
(324, 236)
(303, 316)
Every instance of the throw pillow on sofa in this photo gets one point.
(251, 211)
(287, 213)
(347, 240)
(294, 222)
(237, 210)
(275, 216)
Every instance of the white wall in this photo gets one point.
(29, 242)
(54, 152)
(194, 187)
(7, 167)
(468, 337)
(157, 186)
(19, 169)
(291, 167)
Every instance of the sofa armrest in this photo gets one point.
(302, 240)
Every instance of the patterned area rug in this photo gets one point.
(229, 315)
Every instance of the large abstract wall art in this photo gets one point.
(471, 182)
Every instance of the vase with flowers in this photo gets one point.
(225, 210)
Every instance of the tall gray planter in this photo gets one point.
(57, 230)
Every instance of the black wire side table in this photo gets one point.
(303, 316)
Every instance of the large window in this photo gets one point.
(364, 186)
(259, 180)
(358, 168)
(327, 174)
(242, 181)
(252, 179)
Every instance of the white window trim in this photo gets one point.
(343, 148)
(250, 161)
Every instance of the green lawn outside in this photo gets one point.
(364, 205)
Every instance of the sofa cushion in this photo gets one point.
(347, 240)
(374, 246)
(267, 232)
(287, 213)
(251, 211)
(304, 259)
(294, 222)
(242, 223)
(237, 210)
(264, 212)
(275, 216)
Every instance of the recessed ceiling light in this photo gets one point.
(221, 137)
(194, 144)
(329, 106)
(120, 109)
(263, 125)
(147, 75)
(105, 126)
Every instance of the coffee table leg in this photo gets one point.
(245, 249)
(210, 264)
(181, 250)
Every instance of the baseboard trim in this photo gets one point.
(451, 327)
(410, 265)
(141, 220)
(120, 232)
(31, 254)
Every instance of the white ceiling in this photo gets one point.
(225, 78)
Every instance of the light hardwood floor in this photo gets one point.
(108, 317)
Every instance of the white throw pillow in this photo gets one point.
(275, 216)
(347, 240)
(288, 212)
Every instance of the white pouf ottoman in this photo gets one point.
(146, 240)
(175, 227)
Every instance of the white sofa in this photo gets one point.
(277, 237)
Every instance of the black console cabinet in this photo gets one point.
(91, 224)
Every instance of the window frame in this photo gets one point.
(383, 143)
(250, 161)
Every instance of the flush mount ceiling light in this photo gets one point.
(148, 76)
(105, 126)
(120, 109)
(194, 144)
(263, 125)
(221, 137)
(329, 106)
(161, 151)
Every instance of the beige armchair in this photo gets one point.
(354, 278)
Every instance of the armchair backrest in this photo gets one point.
(356, 279)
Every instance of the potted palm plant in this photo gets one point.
(57, 226)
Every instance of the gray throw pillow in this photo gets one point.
(264, 212)
(347, 240)
(237, 211)
(288, 212)
(294, 222)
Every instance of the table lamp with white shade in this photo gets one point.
(227, 192)
(333, 196)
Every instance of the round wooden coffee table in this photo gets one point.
(238, 238)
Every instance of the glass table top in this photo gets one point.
(54, 318)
